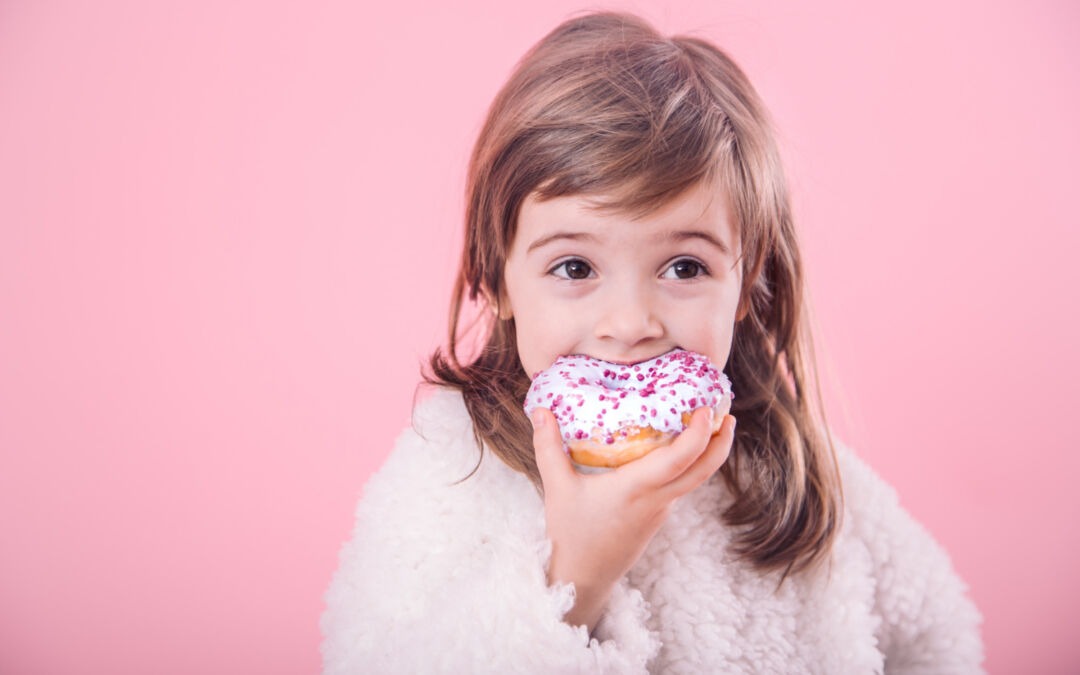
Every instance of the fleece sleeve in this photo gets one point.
(442, 575)
(928, 622)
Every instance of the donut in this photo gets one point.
(610, 414)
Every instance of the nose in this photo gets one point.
(629, 316)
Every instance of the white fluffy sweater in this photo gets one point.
(445, 576)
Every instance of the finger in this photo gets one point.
(663, 465)
(551, 460)
(707, 464)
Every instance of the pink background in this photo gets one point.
(227, 232)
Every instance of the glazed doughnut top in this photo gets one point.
(592, 398)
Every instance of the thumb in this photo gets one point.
(551, 459)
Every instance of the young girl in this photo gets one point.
(625, 198)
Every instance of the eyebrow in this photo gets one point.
(555, 236)
(683, 235)
(676, 236)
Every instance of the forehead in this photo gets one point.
(703, 207)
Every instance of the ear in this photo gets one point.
(743, 308)
(500, 307)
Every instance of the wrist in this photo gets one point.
(589, 604)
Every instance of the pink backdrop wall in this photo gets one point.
(226, 235)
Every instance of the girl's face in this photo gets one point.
(582, 282)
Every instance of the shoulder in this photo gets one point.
(927, 618)
(873, 510)
(873, 513)
(447, 552)
(440, 412)
(439, 455)
(439, 435)
(864, 489)
(436, 497)
(436, 470)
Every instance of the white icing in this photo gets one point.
(592, 398)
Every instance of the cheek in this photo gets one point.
(719, 343)
(536, 340)
(546, 331)
(712, 337)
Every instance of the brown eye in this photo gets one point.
(685, 268)
(573, 269)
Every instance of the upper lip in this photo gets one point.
(633, 362)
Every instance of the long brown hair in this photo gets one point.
(604, 105)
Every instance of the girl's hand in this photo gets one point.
(600, 524)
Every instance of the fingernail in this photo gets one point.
(709, 415)
(538, 419)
